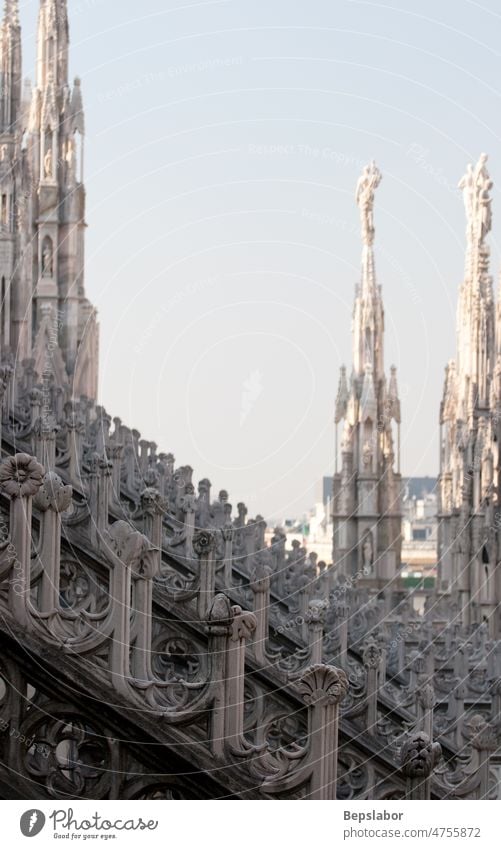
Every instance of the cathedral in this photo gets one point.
(42, 207)
(153, 645)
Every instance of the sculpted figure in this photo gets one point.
(47, 260)
(476, 185)
(47, 164)
(366, 187)
(420, 756)
(367, 554)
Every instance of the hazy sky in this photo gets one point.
(224, 143)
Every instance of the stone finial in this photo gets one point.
(21, 476)
(220, 613)
(129, 546)
(53, 494)
(371, 655)
(204, 542)
(151, 478)
(484, 735)
(315, 615)
(321, 683)
(426, 696)
(419, 756)
(227, 532)
(260, 576)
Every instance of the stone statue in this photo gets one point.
(466, 186)
(47, 260)
(367, 554)
(476, 185)
(71, 159)
(47, 164)
(366, 186)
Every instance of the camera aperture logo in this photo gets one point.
(32, 822)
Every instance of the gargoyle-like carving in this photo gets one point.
(419, 756)
(152, 501)
(316, 611)
(244, 624)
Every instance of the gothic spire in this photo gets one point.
(11, 12)
(366, 496)
(476, 185)
(53, 42)
(366, 187)
(368, 313)
(476, 312)
(342, 396)
(10, 97)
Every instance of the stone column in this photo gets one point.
(322, 688)
(128, 552)
(243, 627)
(44, 440)
(115, 453)
(227, 532)
(204, 546)
(371, 658)
(315, 619)
(21, 477)
(343, 610)
(52, 499)
(425, 704)
(484, 743)
(75, 431)
(99, 496)
(260, 585)
(187, 504)
(496, 699)
(219, 623)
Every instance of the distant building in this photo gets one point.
(420, 532)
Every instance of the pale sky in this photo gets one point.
(224, 143)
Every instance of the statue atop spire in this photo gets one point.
(476, 185)
(366, 187)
